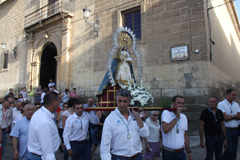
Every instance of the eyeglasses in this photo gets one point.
(155, 115)
(65, 106)
(38, 107)
(10, 102)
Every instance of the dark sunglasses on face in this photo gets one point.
(65, 106)
(155, 115)
(10, 102)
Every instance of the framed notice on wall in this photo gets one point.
(179, 53)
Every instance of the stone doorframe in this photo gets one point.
(38, 39)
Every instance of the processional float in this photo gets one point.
(120, 74)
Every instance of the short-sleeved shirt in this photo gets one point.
(66, 113)
(31, 93)
(24, 94)
(226, 107)
(6, 117)
(65, 97)
(153, 130)
(73, 94)
(17, 118)
(20, 131)
(212, 125)
(50, 85)
(172, 139)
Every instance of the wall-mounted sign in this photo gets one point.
(179, 53)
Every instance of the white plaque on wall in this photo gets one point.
(179, 53)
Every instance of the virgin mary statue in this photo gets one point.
(121, 66)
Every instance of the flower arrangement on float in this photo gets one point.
(140, 95)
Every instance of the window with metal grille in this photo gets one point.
(132, 20)
(5, 64)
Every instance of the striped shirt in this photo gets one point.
(6, 117)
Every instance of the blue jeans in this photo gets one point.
(115, 157)
(23, 158)
(4, 139)
(33, 157)
(232, 138)
(81, 149)
(168, 155)
(214, 144)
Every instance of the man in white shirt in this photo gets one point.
(16, 110)
(51, 85)
(75, 132)
(231, 113)
(174, 132)
(43, 139)
(122, 130)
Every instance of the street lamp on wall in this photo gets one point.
(95, 25)
(14, 51)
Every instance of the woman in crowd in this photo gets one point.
(38, 94)
(20, 97)
(153, 140)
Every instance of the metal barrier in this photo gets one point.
(43, 13)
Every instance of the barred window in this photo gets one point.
(5, 64)
(132, 20)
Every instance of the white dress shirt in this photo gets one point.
(172, 139)
(76, 127)
(115, 133)
(226, 107)
(15, 112)
(43, 134)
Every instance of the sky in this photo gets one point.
(237, 5)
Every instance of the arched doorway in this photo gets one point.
(48, 67)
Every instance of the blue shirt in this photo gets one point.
(87, 106)
(20, 131)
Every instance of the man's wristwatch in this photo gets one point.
(188, 151)
(136, 115)
(232, 116)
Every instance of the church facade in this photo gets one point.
(187, 47)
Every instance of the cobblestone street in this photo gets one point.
(197, 152)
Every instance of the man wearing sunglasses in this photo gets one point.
(212, 121)
(6, 116)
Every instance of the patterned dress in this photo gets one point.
(38, 96)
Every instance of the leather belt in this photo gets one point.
(214, 135)
(80, 141)
(231, 128)
(132, 157)
(173, 150)
(36, 154)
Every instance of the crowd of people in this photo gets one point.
(41, 122)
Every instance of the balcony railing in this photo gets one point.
(43, 13)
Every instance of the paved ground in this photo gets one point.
(197, 152)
